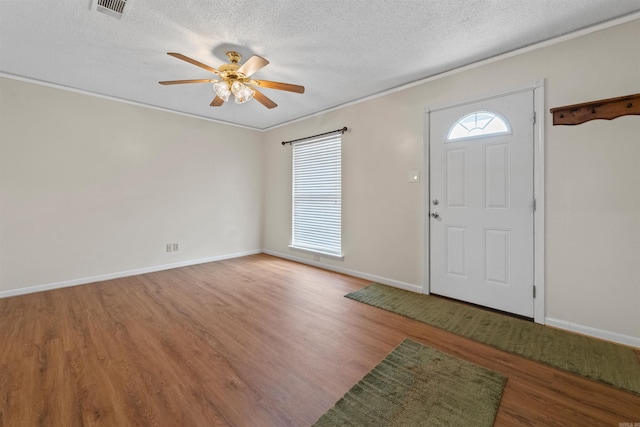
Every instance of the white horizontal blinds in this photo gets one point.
(317, 195)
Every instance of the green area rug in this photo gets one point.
(599, 360)
(416, 385)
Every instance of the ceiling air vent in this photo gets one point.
(113, 8)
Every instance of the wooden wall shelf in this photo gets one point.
(607, 109)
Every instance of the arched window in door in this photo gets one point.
(479, 124)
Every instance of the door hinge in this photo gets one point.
(534, 291)
(534, 117)
(533, 205)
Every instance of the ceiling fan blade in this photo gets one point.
(264, 100)
(179, 82)
(277, 85)
(252, 65)
(192, 61)
(217, 101)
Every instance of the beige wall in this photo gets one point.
(592, 178)
(92, 187)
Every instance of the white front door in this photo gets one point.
(482, 202)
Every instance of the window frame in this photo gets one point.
(495, 115)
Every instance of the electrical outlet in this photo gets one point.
(176, 247)
(169, 247)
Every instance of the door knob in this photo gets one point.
(436, 202)
(435, 215)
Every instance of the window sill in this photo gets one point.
(320, 253)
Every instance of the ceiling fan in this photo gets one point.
(236, 79)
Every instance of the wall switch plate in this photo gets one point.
(176, 247)
(169, 247)
(414, 176)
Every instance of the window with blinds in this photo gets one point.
(317, 196)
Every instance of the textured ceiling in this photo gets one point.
(340, 50)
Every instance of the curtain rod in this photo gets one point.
(343, 130)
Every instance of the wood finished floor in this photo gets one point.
(253, 341)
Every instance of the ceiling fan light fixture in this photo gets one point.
(222, 90)
(241, 92)
(237, 87)
(245, 95)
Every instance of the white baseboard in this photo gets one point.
(557, 323)
(354, 273)
(110, 276)
(560, 324)
(594, 332)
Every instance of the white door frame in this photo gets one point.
(538, 190)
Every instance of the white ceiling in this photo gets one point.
(340, 50)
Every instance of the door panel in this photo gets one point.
(456, 178)
(481, 192)
(496, 176)
(496, 250)
(457, 251)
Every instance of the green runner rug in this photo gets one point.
(416, 385)
(599, 360)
